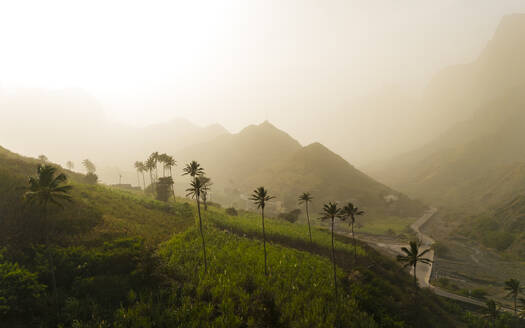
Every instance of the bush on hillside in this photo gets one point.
(231, 211)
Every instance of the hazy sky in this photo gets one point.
(237, 62)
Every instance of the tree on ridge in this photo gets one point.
(305, 199)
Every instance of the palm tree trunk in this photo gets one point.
(172, 186)
(333, 259)
(308, 217)
(355, 244)
(144, 181)
(515, 304)
(202, 236)
(138, 178)
(264, 243)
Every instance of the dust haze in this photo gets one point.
(363, 78)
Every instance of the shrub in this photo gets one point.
(19, 289)
(231, 211)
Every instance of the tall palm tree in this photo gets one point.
(89, 166)
(197, 187)
(331, 212)
(150, 166)
(139, 166)
(514, 288)
(412, 257)
(260, 197)
(193, 169)
(206, 182)
(156, 158)
(46, 189)
(142, 168)
(169, 162)
(305, 199)
(492, 312)
(70, 165)
(350, 211)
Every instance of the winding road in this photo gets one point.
(424, 272)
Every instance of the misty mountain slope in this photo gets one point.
(395, 120)
(231, 158)
(264, 155)
(329, 177)
(471, 163)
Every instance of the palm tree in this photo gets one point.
(492, 312)
(330, 212)
(150, 166)
(260, 197)
(193, 169)
(141, 169)
(70, 165)
(206, 182)
(156, 157)
(89, 166)
(514, 288)
(46, 189)
(413, 257)
(139, 166)
(197, 187)
(169, 162)
(350, 211)
(305, 199)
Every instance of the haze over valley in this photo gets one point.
(262, 164)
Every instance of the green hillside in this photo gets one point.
(124, 260)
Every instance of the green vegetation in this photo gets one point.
(122, 259)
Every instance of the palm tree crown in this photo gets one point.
(47, 188)
(331, 211)
(198, 186)
(350, 211)
(305, 198)
(260, 197)
(193, 169)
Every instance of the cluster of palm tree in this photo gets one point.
(151, 165)
(514, 289)
(331, 211)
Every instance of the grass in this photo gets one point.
(279, 231)
(297, 293)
